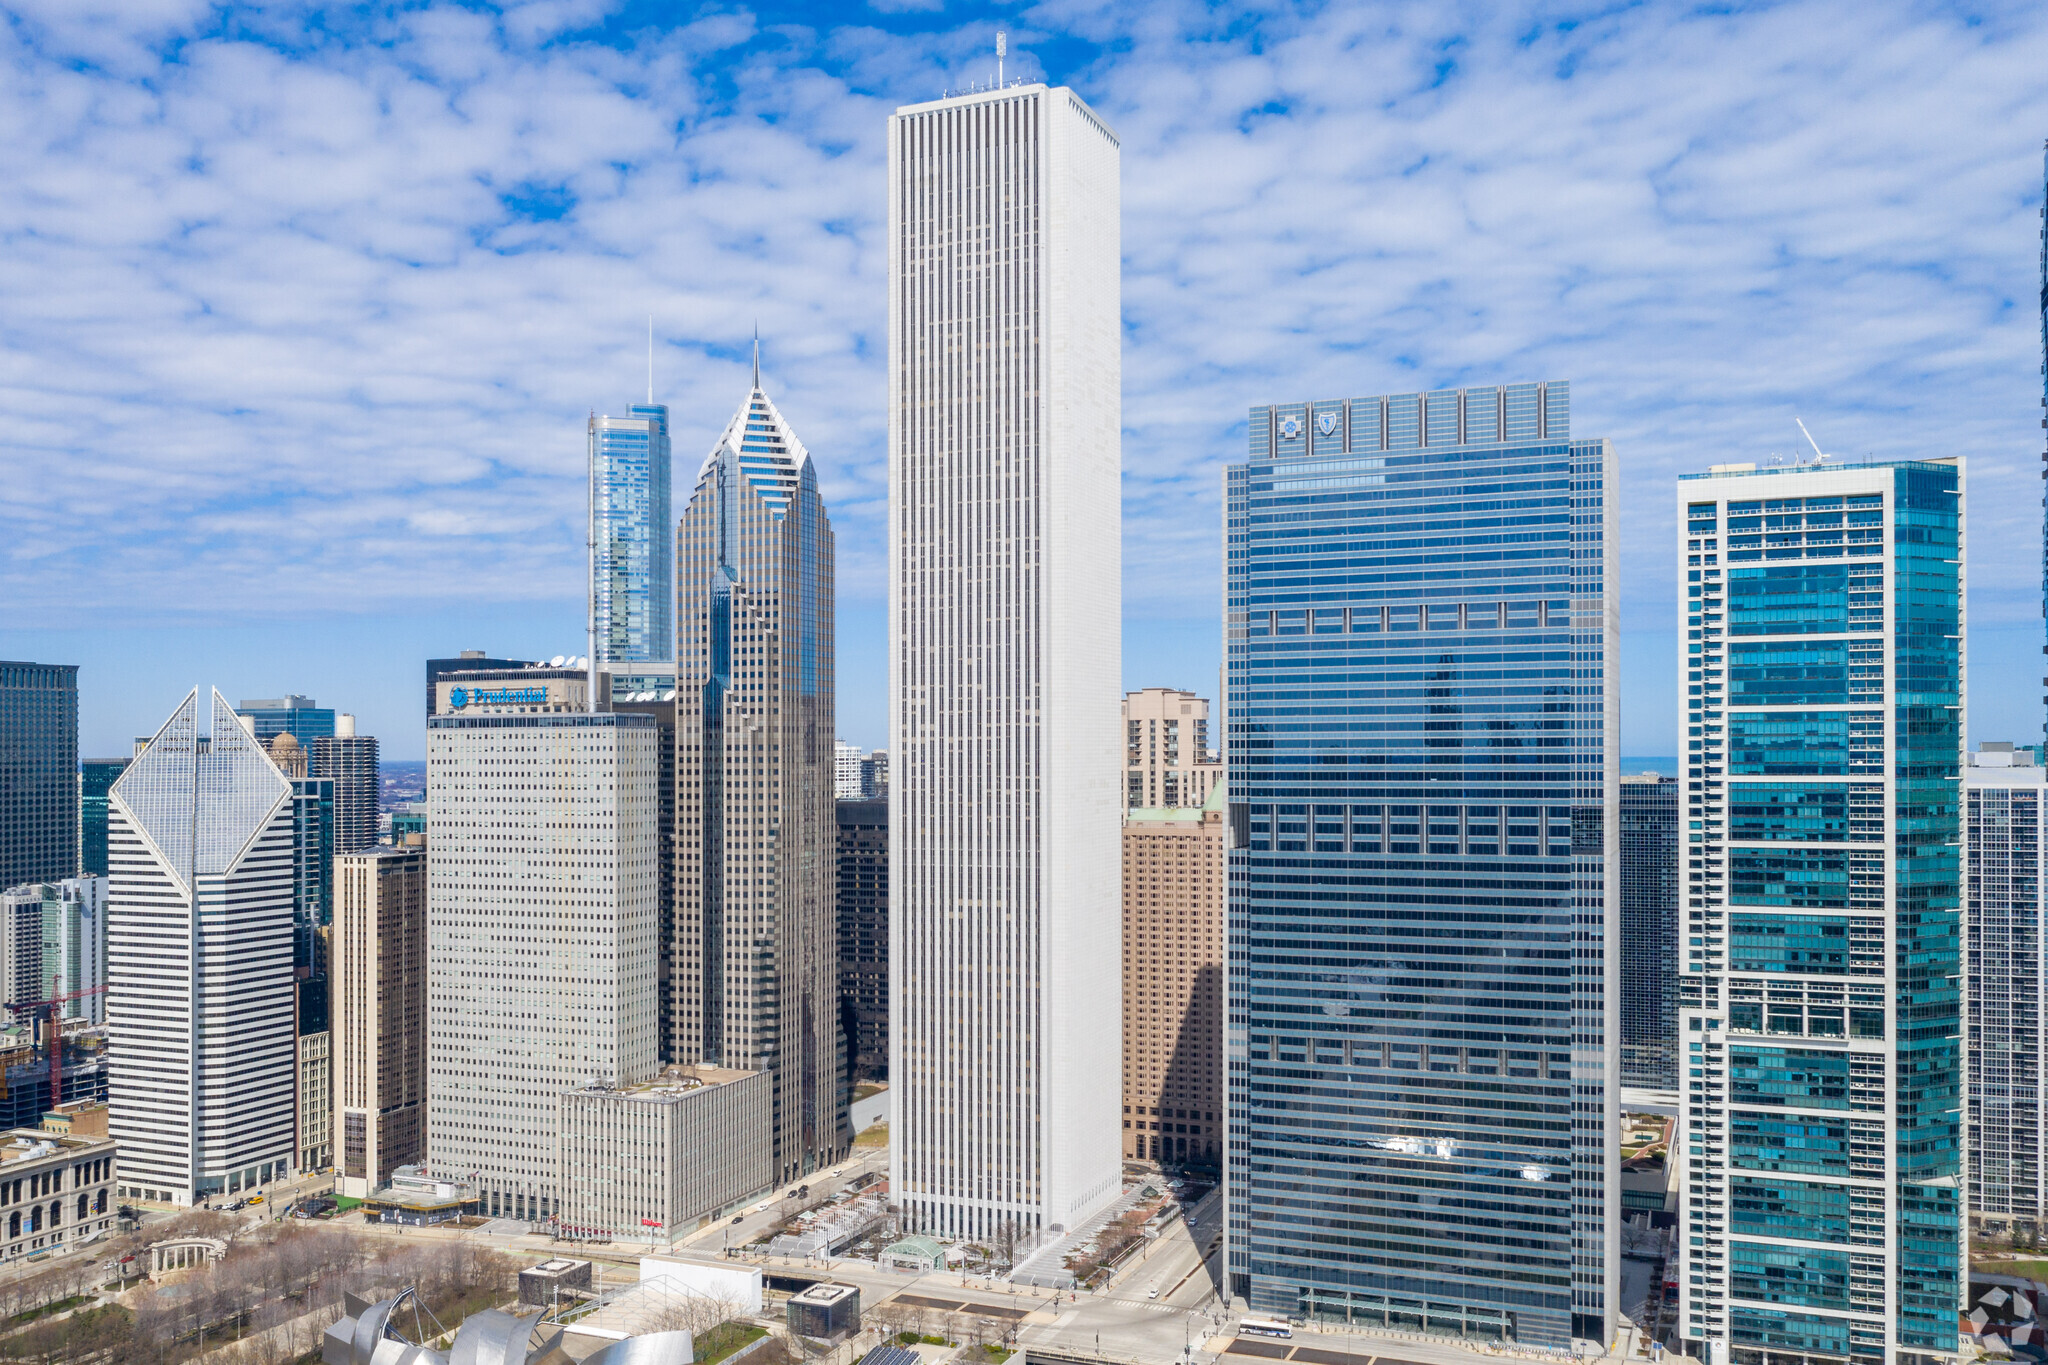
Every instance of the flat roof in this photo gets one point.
(673, 1082)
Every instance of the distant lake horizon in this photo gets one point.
(1651, 763)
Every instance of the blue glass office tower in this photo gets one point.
(38, 772)
(1421, 1058)
(632, 559)
(299, 717)
(1820, 994)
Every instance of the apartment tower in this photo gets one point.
(1819, 1002)
(2005, 816)
(379, 1015)
(1167, 761)
(632, 571)
(1422, 965)
(1174, 869)
(350, 761)
(1005, 417)
(541, 919)
(201, 1038)
(755, 975)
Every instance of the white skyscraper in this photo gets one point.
(201, 1051)
(1005, 416)
(541, 923)
(846, 762)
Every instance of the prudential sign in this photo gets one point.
(460, 697)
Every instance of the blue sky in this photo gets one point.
(302, 308)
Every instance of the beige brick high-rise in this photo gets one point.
(1173, 983)
(378, 1024)
(1166, 757)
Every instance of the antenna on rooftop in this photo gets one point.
(1818, 457)
(1002, 45)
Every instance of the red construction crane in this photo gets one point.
(53, 1034)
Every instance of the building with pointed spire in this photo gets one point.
(632, 574)
(202, 1043)
(755, 951)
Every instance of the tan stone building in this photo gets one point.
(1167, 762)
(378, 1027)
(1173, 871)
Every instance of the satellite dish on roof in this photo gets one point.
(558, 661)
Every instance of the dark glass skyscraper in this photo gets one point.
(96, 777)
(1421, 765)
(300, 717)
(38, 772)
(1820, 1005)
(864, 935)
(1649, 931)
(349, 761)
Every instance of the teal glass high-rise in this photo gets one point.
(632, 562)
(1421, 978)
(1820, 989)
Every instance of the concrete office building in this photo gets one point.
(756, 976)
(313, 1123)
(2005, 818)
(96, 777)
(304, 719)
(1174, 870)
(21, 949)
(349, 760)
(1005, 628)
(202, 1043)
(1648, 1015)
(38, 772)
(55, 1192)
(632, 569)
(541, 916)
(379, 1015)
(1166, 758)
(1423, 886)
(655, 1161)
(864, 936)
(1820, 1015)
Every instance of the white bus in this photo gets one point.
(1263, 1327)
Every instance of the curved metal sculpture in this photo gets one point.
(491, 1337)
(656, 1348)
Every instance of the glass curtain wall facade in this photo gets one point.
(1421, 766)
(1821, 1164)
(1649, 931)
(2004, 792)
(96, 777)
(755, 976)
(38, 772)
(632, 565)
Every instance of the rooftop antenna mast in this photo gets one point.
(1818, 457)
(1002, 45)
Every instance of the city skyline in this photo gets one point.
(1864, 269)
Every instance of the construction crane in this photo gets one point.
(53, 1035)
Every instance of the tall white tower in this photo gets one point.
(1005, 417)
(202, 1037)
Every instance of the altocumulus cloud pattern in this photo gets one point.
(306, 306)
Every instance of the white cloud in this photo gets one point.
(301, 323)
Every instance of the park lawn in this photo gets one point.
(875, 1135)
(2026, 1270)
(48, 1309)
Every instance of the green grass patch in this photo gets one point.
(722, 1340)
(2026, 1270)
(342, 1203)
(876, 1135)
(913, 1339)
(867, 1088)
(49, 1309)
